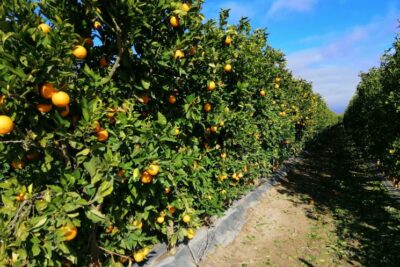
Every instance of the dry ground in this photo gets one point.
(278, 232)
(331, 210)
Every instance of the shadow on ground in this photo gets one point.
(340, 182)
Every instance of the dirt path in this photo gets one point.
(278, 233)
(331, 211)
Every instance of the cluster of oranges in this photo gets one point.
(58, 98)
(141, 254)
(147, 175)
(174, 20)
(179, 54)
(102, 134)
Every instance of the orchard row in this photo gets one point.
(128, 123)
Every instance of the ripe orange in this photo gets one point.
(207, 107)
(262, 93)
(211, 86)
(6, 125)
(192, 50)
(186, 218)
(277, 86)
(214, 129)
(278, 80)
(167, 190)
(160, 219)
(223, 155)
(153, 169)
(109, 229)
(110, 115)
(20, 197)
(103, 62)
(96, 126)
(102, 135)
(171, 209)
(32, 155)
(69, 232)
(97, 25)
(2, 99)
(145, 251)
(88, 41)
(222, 176)
(185, 7)
(228, 68)
(44, 108)
(228, 40)
(17, 164)
(64, 113)
(47, 90)
(190, 233)
(138, 256)
(138, 224)
(144, 99)
(179, 54)
(172, 99)
(121, 173)
(146, 177)
(44, 28)
(174, 22)
(60, 99)
(79, 52)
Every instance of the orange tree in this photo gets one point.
(372, 117)
(127, 123)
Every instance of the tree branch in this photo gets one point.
(121, 49)
(115, 253)
(11, 141)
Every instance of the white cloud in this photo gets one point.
(334, 66)
(294, 5)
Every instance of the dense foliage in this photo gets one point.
(132, 122)
(373, 116)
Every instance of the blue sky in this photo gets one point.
(328, 42)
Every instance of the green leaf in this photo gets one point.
(105, 189)
(145, 84)
(136, 174)
(162, 120)
(94, 169)
(95, 215)
(35, 250)
(40, 221)
(83, 152)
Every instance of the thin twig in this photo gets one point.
(21, 213)
(11, 141)
(115, 253)
(121, 49)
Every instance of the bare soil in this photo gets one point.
(278, 232)
(331, 210)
